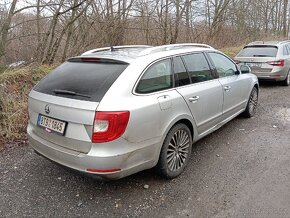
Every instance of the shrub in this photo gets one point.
(15, 85)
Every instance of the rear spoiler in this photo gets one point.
(260, 45)
(96, 60)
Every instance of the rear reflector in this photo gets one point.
(103, 171)
(279, 63)
(275, 76)
(109, 126)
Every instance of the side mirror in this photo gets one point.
(245, 69)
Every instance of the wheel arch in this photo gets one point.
(188, 124)
(185, 119)
(256, 85)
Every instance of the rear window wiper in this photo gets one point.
(67, 92)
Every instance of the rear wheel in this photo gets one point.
(252, 104)
(175, 151)
(286, 82)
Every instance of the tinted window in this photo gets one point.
(285, 50)
(258, 51)
(224, 66)
(288, 48)
(197, 67)
(180, 75)
(158, 77)
(81, 80)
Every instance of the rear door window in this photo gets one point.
(258, 51)
(81, 80)
(198, 67)
(286, 50)
(180, 74)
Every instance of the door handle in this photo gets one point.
(193, 99)
(227, 88)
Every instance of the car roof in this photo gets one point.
(267, 43)
(130, 53)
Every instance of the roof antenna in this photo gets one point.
(112, 48)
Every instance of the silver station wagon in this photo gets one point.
(115, 111)
(268, 60)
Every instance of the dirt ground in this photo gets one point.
(241, 170)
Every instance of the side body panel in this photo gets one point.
(207, 108)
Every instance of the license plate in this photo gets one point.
(254, 64)
(51, 124)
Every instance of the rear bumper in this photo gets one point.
(128, 162)
(275, 76)
(268, 78)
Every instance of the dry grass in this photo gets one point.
(231, 51)
(15, 85)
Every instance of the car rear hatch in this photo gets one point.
(260, 58)
(62, 105)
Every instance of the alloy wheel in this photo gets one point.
(178, 150)
(253, 102)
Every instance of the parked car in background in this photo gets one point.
(115, 111)
(268, 60)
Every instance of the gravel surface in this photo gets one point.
(241, 170)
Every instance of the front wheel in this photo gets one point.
(175, 151)
(252, 104)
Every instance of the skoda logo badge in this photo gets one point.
(47, 109)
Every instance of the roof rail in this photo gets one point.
(284, 41)
(172, 47)
(112, 48)
(256, 42)
(269, 42)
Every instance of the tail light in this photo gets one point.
(109, 126)
(279, 63)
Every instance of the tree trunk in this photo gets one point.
(285, 30)
(4, 32)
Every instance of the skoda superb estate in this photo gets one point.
(115, 111)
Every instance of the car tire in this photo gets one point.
(286, 82)
(175, 152)
(252, 103)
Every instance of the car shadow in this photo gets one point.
(265, 83)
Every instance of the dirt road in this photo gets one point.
(241, 170)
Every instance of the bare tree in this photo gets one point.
(49, 31)
(4, 30)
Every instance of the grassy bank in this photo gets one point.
(231, 51)
(15, 85)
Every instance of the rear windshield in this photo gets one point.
(258, 51)
(81, 80)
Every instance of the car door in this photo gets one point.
(235, 87)
(156, 99)
(200, 89)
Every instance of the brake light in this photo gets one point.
(90, 59)
(279, 63)
(109, 126)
